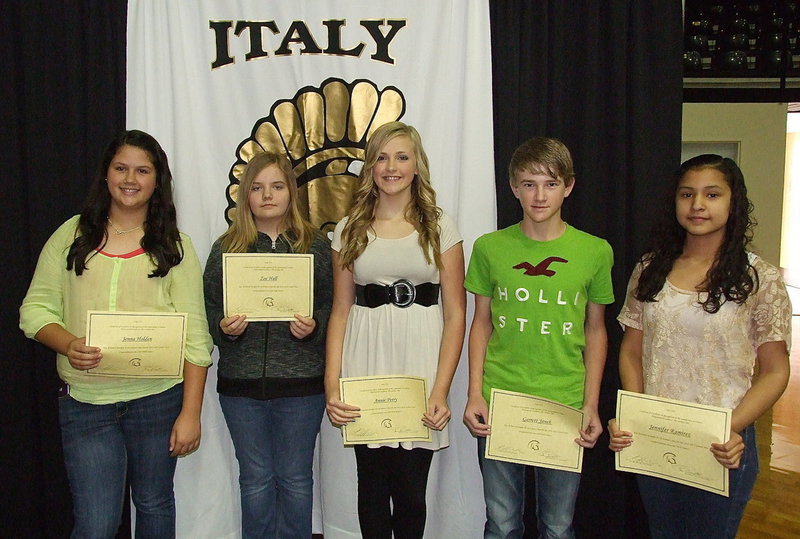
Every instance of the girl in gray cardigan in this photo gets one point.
(270, 378)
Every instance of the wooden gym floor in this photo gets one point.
(774, 510)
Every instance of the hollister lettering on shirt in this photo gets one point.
(539, 291)
(523, 295)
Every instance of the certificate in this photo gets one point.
(671, 440)
(391, 409)
(137, 345)
(534, 431)
(268, 286)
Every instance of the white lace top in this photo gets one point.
(691, 355)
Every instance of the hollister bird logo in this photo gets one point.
(541, 268)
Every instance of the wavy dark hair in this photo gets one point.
(161, 239)
(731, 276)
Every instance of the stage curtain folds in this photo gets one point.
(605, 78)
(63, 95)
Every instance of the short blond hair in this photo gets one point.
(542, 155)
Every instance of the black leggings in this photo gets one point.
(399, 474)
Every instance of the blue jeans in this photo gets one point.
(274, 442)
(102, 442)
(679, 511)
(504, 493)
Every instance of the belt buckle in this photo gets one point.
(403, 293)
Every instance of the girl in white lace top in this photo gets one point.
(700, 314)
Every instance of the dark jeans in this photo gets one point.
(677, 511)
(102, 442)
(398, 474)
(274, 441)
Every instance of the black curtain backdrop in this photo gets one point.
(63, 98)
(603, 76)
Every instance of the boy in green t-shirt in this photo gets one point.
(540, 288)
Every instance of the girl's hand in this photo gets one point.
(592, 428)
(476, 415)
(83, 357)
(620, 439)
(185, 435)
(302, 326)
(340, 413)
(438, 413)
(233, 325)
(730, 453)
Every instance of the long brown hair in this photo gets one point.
(731, 276)
(243, 232)
(161, 239)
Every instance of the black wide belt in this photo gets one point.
(400, 293)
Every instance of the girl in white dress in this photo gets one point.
(700, 313)
(392, 255)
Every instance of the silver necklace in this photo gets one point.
(121, 232)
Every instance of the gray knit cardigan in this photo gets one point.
(266, 361)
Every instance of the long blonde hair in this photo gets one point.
(421, 211)
(242, 233)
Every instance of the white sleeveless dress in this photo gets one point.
(390, 339)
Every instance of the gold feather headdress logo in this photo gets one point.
(323, 131)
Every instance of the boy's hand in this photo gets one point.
(592, 428)
(438, 413)
(476, 416)
(730, 453)
(620, 439)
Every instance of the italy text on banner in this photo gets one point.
(217, 81)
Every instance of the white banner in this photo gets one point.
(215, 81)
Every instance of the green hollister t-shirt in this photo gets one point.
(539, 292)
